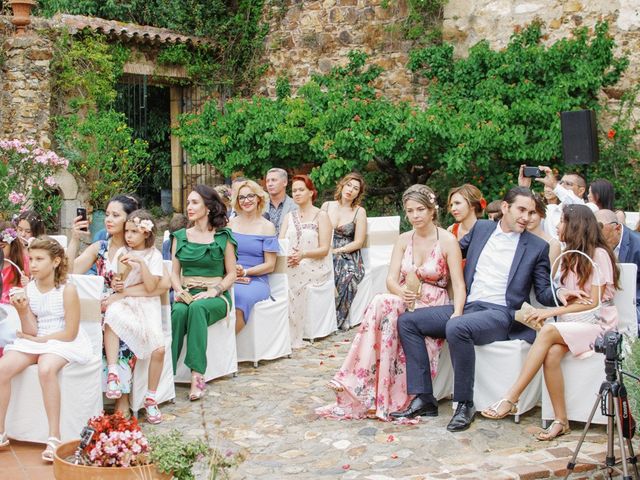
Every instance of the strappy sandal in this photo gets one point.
(114, 387)
(52, 444)
(547, 435)
(335, 386)
(153, 412)
(4, 440)
(200, 387)
(492, 412)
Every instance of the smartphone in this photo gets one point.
(82, 212)
(532, 172)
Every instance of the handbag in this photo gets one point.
(588, 316)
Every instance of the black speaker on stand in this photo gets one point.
(579, 138)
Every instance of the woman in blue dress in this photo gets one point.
(257, 248)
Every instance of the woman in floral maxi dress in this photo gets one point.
(372, 379)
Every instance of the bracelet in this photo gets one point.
(219, 289)
(244, 272)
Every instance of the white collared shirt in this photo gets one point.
(493, 267)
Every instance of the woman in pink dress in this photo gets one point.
(579, 230)
(372, 379)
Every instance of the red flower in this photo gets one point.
(611, 133)
(483, 203)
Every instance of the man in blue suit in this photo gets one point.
(503, 262)
(625, 243)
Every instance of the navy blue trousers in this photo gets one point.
(481, 323)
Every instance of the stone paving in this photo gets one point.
(268, 412)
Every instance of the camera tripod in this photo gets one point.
(612, 398)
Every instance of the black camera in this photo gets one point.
(610, 344)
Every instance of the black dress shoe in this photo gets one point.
(461, 420)
(418, 408)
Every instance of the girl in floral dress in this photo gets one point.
(372, 379)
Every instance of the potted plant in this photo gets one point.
(115, 448)
(173, 453)
(27, 179)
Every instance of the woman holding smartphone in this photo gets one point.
(257, 248)
(103, 254)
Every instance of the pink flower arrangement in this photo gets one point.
(117, 442)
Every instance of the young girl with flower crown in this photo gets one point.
(50, 336)
(137, 320)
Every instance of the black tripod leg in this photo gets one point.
(632, 459)
(572, 463)
(616, 420)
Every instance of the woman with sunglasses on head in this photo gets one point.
(257, 248)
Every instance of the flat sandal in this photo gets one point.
(492, 411)
(546, 435)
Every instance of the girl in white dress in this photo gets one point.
(50, 336)
(137, 320)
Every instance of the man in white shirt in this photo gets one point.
(503, 262)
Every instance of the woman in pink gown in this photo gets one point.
(372, 379)
(579, 230)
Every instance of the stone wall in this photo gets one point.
(314, 36)
(467, 22)
(25, 90)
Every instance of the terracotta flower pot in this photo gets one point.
(21, 14)
(64, 470)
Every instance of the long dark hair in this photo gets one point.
(129, 202)
(35, 222)
(217, 211)
(603, 193)
(581, 232)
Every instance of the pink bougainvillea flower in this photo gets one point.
(17, 198)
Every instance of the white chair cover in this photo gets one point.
(582, 377)
(266, 334)
(222, 355)
(9, 324)
(382, 233)
(631, 219)
(61, 239)
(80, 385)
(497, 367)
(166, 388)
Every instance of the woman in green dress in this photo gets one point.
(204, 269)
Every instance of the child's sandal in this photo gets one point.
(114, 388)
(48, 453)
(154, 416)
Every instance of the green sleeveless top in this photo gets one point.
(203, 259)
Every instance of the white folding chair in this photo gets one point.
(222, 358)
(166, 388)
(382, 233)
(583, 377)
(266, 335)
(80, 385)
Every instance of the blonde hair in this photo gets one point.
(54, 249)
(472, 195)
(346, 179)
(261, 195)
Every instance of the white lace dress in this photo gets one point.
(49, 309)
(138, 320)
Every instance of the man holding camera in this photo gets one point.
(624, 242)
(571, 189)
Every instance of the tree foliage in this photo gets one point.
(485, 115)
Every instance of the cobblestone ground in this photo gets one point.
(268, 413)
